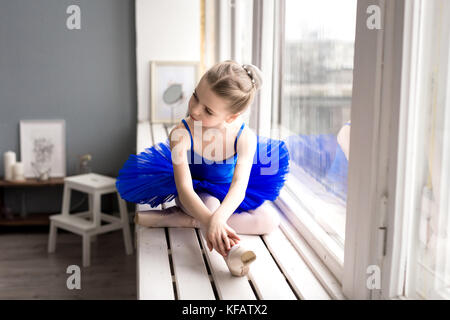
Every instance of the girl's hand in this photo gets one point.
(220, 236)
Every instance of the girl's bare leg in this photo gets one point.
(170, 217)
(206, 201)
(176, 216)
(261, 220)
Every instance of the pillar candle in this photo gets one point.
(9, 159)
(18, 171)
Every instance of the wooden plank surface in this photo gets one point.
(320, 270)
(295, 269)
(159, 133)
(144, 136)
(269, 282)
(154, 279)
(228, 286)
(191, 276)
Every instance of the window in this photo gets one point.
(244, 31)
(316, 97)
(426, 161)
(242, 13)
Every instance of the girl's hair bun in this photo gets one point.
(237, 83)
(255, 75)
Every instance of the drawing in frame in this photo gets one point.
(172, 84)
(43, 148)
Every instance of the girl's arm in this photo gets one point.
(246, 148)
(218, 231)
(179, 144)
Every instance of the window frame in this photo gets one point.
(374, 144)
(325, 246)
(401, 274)
(225, 36)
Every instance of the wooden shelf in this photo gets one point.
(32, 182)
(33, 219)
(25, 219)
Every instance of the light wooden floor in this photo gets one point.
(27, 271)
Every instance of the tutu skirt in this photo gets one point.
(147, 178)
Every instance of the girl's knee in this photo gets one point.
(268, 219)
(260, 221)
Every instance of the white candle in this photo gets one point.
(18, 171)
(9, 159)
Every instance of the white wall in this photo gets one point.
(167, 30)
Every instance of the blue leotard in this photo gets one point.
(147, 178)
(206, 169)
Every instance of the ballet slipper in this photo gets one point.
(239, 259)
(170, 217)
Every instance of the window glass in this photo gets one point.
(316, 103)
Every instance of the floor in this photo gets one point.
(27, 271)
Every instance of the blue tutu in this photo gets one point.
(147, 178)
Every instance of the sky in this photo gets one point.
(334, 19)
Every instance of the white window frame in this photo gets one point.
(372, 163)
(298, 212)
(224, 32)
(263, 44)
(262, 55)
(401, 275)
(374, 144)
(268, 56)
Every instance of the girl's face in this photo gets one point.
(207, 107)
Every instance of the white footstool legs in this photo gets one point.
(89, 224)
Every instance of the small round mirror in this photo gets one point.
(173, 93)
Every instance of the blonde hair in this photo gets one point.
(235, 83)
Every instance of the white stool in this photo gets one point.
(95, 185)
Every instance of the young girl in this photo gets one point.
(218, 171)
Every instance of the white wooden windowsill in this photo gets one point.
(316, 214)
(172, 263)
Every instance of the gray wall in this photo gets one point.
(86, 77)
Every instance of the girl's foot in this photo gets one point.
(170, 217)
(239, 259)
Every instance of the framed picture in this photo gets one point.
(172, 84)
(43, 147)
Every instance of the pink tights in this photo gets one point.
(261, 220)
